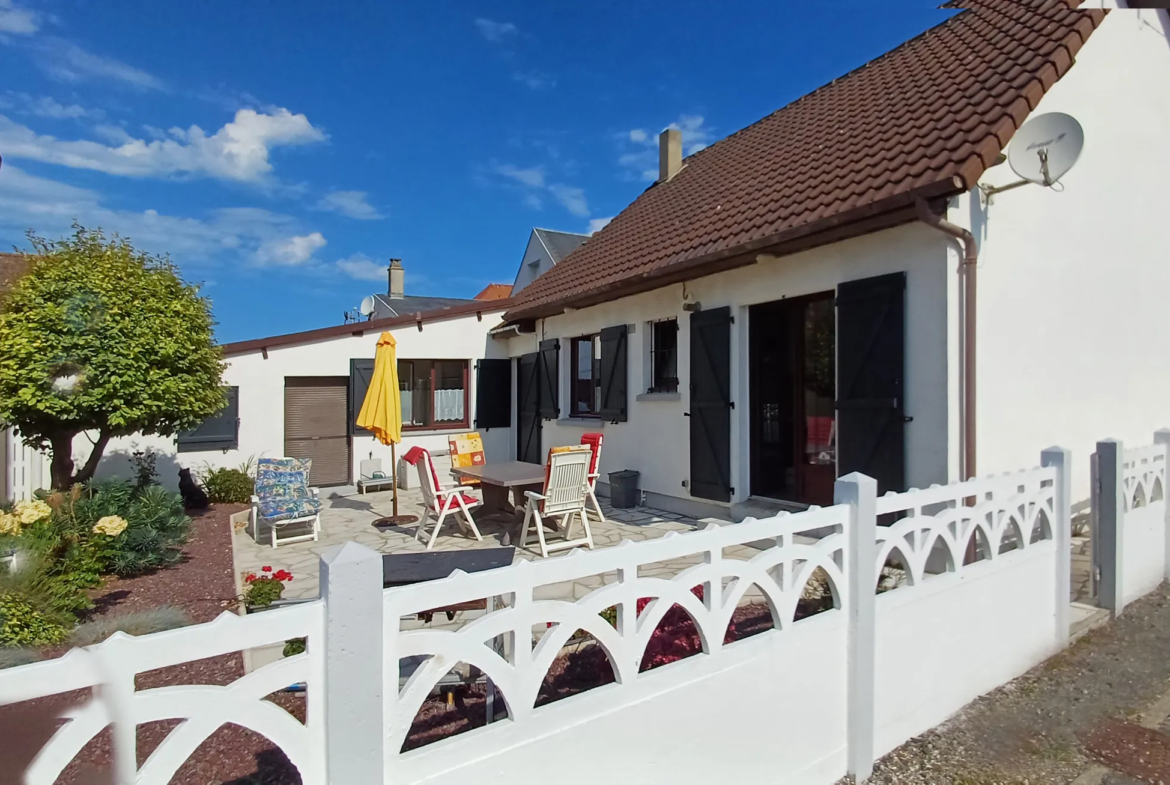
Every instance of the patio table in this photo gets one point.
(497, 479)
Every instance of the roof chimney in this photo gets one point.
(397, 280)
(669, 154)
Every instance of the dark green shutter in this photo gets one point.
(493, 394)
(549, 375)
(614, 372)
(710, 399)
(360, 374)
(221, 431)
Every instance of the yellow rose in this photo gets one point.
(9, 523)
(29, 512)
(111, 526)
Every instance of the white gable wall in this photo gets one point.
(536, 261)
(1074, 326)
(261, 397)
(655, 440)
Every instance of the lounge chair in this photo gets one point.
(566, 486)
(283, 497)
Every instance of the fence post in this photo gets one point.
(351, 585)
(1061, 459)
(861, 575)
(1110, 498)
(1162, 436)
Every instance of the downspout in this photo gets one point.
(967, 319)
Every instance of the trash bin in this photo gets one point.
(623, 489)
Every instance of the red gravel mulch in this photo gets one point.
(203, 585)
(1142, 753)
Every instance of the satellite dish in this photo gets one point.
(1046, 148)
(367, 306)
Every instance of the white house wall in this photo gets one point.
(655, 440)
(261, 385)
(1072, 284)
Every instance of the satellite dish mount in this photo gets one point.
(1042, 151)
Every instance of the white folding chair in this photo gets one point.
(594, 440)
(566, 486)
(441, 502)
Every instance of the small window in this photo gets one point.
(664, 357)
(585, 376)
(220, 431)
(434, 394)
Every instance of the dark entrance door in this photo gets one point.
(528, 408)
(710, 415)
(871, 360)
(793, 435)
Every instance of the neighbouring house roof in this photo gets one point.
(386, 307)
(12, 266)
(559, 244)
(495, 291)
(465, 308)
(922, 121)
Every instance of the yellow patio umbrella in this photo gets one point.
(381, 412)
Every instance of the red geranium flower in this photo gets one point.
(266, 569)
(251, 577)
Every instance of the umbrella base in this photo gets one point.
(395, 520)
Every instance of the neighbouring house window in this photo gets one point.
(585, 376)
(433, 393)
(664, 357)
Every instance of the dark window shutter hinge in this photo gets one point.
(731, 404)
(732, 489)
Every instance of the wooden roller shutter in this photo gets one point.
(316, 425)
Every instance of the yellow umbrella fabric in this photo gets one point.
(381, 412)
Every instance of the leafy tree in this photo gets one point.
(101, 338)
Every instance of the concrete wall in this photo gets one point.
(1072, 284)
(261, 397)
(655, 441)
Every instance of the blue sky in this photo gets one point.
(281, 152)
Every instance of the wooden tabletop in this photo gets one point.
(509, 475)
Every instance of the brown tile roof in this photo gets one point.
(479, 309)
(12, 266)
(924, 120)
(495, 291)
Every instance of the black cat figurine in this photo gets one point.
(193, 496)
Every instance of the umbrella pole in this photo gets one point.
(395, 519)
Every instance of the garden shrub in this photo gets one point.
(228, 486)
(23, 624)
(293, 647)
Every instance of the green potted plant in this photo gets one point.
(266, 588)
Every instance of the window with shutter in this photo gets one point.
(548, 371)
(360, 373)
(614, 370)
(219, 432)
(493, 394)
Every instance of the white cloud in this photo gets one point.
(49, 207)
(571, 198)
(534, 80)
(532, 177)
(237, 151)
(638, 135)
(68, 62)
(352, 204)
(597, 224)
(534, 201)
(44, 106)
(362, 268)
(291, 251)
(17, 20)
(695, 136)
(495, 31)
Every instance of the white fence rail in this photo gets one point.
(26, 469)
(807, 701)
(1131, 549)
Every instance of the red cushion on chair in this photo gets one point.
(594, 441)
(468, 500)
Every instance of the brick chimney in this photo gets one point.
(669, 154)
(397, 280)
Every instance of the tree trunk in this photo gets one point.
(61, 469)
(62, 465)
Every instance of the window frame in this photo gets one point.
(187, 441)
(664, 384)
(594, 340)
(441, 425)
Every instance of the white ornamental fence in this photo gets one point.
(1131, 549)
(806, 701)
